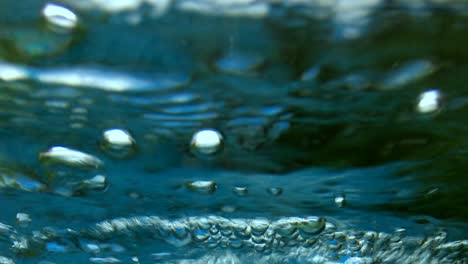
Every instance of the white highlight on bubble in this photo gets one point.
(207, 187)
(207, 141)
(59, 16)
(340, 200)
(69, 157)
(118, 137)
(429, 101)
(23, 220)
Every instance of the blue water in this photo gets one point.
(235, 131)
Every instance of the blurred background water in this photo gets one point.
(233, 131)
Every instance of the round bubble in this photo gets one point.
(206, 142)
(118, 143)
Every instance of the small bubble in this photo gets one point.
(23, 219)
(58, 155)
(275, 191)
(240, 191)
(118, 143)
(206, 142)
(90, 247)
(207, 187)
(340, 200)
(259, 226)
(97, 183)
(59, 16)
(201, 235)
(429, 101)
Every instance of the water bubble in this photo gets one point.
(340, 200)
(235, 242)
(206, 142)
(201, 235)
(90, 247)
(97, 183)
(429, 101)
(58, 155)
(240, 191)
(206, 187)
(259, 226)
(180, 230)
(286, 227)
(59, 16)
(311, 225)
(275, 191)
(23, 219)
(118, 143)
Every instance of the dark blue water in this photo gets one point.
(240, 131)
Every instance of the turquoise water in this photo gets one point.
(237, 131)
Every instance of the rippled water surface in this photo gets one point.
(237, 131)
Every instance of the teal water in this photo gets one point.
(240, 131)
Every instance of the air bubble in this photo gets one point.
(69, 157)
(97, 183)
(206, 187)
(259, 226)
(118, 143)
(201, 235)
(240, 191)
(206, 142)
(429, 101)
(59, 16)
(340, 200)
(23, 219)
